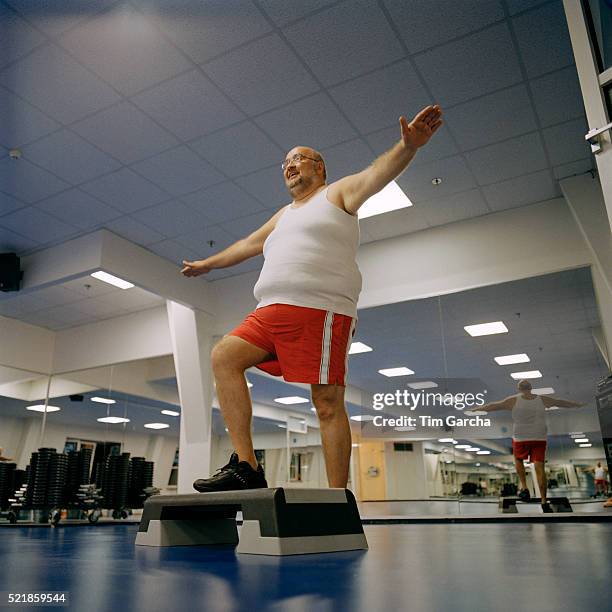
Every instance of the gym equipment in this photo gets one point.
(559, 504)
(275, 521)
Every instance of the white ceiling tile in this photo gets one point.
(179, 171)
(250, 265)
(138, 57)
(526, 189)
(243, 226)
(254, 82)
(70, 157)
(346, 158)
(239, 149)
(101, 307)
(517, 6)
(28, 182)
(507, 159)
(56, 295)
(283, 12)
(174, 252)
(125, 132)
(69, 314)
(171, 218)
(426, 23)
(11, 242)
(133, 230)
(57, 84)
(557, 96)
(89, 287)
(461, 70)
(566, 143)
(377, 100)
(20, 122)
(543, 39)
(492, 118)
(267, 186)
(78, 208)
(9, 204)
(138, 299)
(18, 37)
(454, 208)
(41, 319)
(37, 225)
(222, 202)
(53, 18)
(441, 145)
(125, 190)
(573, 168)
(345, 41)
(306, 120)
(454, 172)
(198, 240)
(204, 30)
(394, 223)
(189, 95)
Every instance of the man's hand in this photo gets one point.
(195, 268)
(418, 132)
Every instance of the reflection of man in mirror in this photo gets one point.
(530, 432)
(601, 481)
(2, 457)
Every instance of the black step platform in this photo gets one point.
(558, 504)
(275, 521)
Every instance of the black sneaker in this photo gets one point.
(546, 508)
(524, 495)
(234, 476)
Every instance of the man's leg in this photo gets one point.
(230, 358)
(541, 474)
(335, 432)
(520, 470)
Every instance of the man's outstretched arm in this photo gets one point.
(560, 403)
(352, 191)
(506, 404)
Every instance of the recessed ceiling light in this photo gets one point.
(585, 445)
(463, 446)
(486, 329)
(112, 280)
(114, 420)
(472, 449)
(404, 428)
(510, 359)
(482, 452)
(526, 374)
(281, 426)
(41, 408)
(103, 400)
(173, 413)
(443, 440)
(552, 408)
(436, 180)
(156, 425)
(292, 399)
(387, 199)
(359, 347)
(579, 440)
(396, 371)
(425, 384)
(543, 391)
(576, 434)
(362, 417)
(478, 465)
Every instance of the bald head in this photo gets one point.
(304, 171)
(524, 386)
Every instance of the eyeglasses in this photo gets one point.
(298, 157)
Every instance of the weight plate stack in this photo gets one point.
(7, 483)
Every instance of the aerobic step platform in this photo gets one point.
(559, 504)
(275, 521)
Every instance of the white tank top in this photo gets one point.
(599, 473)
(529, 418)
(310, 259)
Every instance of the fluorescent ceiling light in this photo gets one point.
(292, 399)
(171, 413)
(113, 420)
(359, 347)
(156, 425)
(543, 391)
(387, 199)
(526, 374)
(579, 440)
(112, 280)
(472, 449)
(575, 434)
(483, 452)
(478, 465)
(463, 446)
(486, 329)
(103, 400)
(41, 408)
(445, 440)
(553, 408)
(281, 426)
(362, 417)
(585, 445)
(509, 359)
(396, 371)
(425, 384)
(404, 428)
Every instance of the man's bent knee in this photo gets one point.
(233, 353)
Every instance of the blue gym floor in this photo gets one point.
(432, 567)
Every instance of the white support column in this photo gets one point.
(28, 443)
(191, 333)
(156, 452)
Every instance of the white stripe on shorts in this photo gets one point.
(348, 348)
(326, 348)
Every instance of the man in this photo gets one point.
(529, 436)
(601, 482)
(307, 301)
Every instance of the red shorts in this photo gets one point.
(307, 345)
(534, 450)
